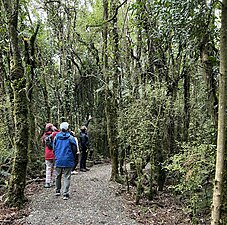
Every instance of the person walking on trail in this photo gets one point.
(84, 144)
(65, 149)
(50, 130)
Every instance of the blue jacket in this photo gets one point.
(64, 150)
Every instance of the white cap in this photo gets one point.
(64, 126)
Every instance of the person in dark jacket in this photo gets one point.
(84, 144)
(77, 155)
(64, 150)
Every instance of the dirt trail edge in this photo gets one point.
(92, 202)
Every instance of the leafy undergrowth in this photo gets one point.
(164, 209)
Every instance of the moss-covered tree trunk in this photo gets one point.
(218, 182)
(2, 93)
(113, 105)
(111, 90)
(30, 63)
(105, 65)
(15, 195)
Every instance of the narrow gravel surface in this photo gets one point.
(92, 202)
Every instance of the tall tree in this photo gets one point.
(110, 111)
(15, 195)
(31, 64)
(112, 105)
(218, 183)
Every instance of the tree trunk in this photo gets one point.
(186, 105)
(113, 118)
(15, 195)
(30, 62)
(218, 183)
(111, 92)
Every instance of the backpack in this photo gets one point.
(48, 141)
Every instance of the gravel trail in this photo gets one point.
(92, 202)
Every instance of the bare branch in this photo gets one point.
(109, 20)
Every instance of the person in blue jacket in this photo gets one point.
(65, 149)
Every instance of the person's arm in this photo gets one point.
(77, 146)
(54, 143)
(73, 145)
(87, 122)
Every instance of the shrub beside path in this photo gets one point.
(92, 202)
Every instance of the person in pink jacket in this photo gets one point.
(50, 129)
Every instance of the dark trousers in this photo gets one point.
(83, 158)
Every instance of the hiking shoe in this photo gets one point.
(66, 197)
(47, 185)
(57, 193)
(74, 172)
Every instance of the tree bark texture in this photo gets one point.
(113, 115)
(30, 65)
(15, 195)
(111, 92)
(218, 182)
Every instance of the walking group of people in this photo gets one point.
(64, 155)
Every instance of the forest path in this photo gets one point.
(92, 202)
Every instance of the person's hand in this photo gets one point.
(78, 152)
(89, 118)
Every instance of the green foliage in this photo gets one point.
(142, 134)
(159, 47)
(191, 172)
(6, 147)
